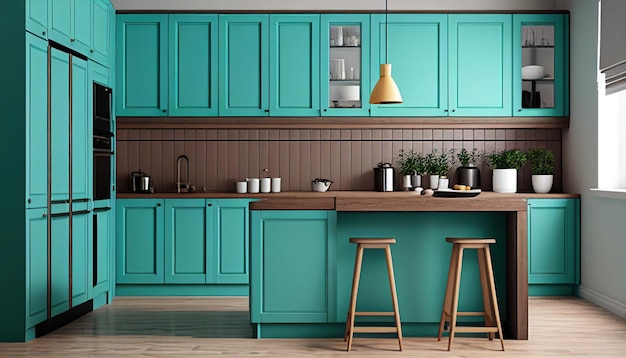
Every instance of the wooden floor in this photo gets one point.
(209, 327)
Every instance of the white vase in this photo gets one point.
(505, 180)
(444, 183)
(406, 182)
(542, 183)
(434, 181)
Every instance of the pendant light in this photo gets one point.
(386, 91)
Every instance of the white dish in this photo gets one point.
(533, 72)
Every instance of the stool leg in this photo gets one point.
(355, 288)
(394, 296)
(455, 295)
(447, 298)
(492, 290)
(487, 303)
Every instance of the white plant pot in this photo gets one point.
(542, 183)
(434, 181)
(505, 180)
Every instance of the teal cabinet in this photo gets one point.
(244, 67)
(69, 23)
(479, 65)
(553, 242)
(142, 65)
(193, 64)
(418, 54)
(541, 40)
(231, 241)
(37, 17)
(59, 262)
(81, 237)
(99, 263)
(337, 89)
(187, 255)
(80, 131)
(294, 65)
(59, 125)
(36, 266)
(292, 269)
(140, 241)
(36, 122)
(101, 31)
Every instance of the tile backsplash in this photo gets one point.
(220, 157)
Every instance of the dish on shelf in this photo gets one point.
(451, 193)
(533, 72)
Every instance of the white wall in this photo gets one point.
(333, 4)
(603, 220)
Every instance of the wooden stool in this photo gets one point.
(362, 244)
(450, 312)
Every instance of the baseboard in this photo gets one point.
(603, 301)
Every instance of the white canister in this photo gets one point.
(275, 185)
(242, 187)
(265, 185)
(444, 183)
(253, 185)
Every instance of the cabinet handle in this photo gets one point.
(519, 110)
(445, 110)
(91, 50)
(453, 110)
(325, 109)
(158, 204)
(71, 40)
(44, 214)
(209, 204)
(267, 111)
(164, 110)
(43, 33)
(28, 201)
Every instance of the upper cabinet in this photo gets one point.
(101, 23)
(142, 71)
(479, 65)
(37, 17)
(416, 48)
(69, 23)
(540, 65)
(344, 65)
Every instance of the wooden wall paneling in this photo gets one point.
(283, 166)
(325, 151)
(168, 176)
(334, 160)
(305, 162)
(221, 156)
(133, 156)
(243, 161)
(315, 170)
(121, 167)
(190, 151)
(233, 174)
(294, 164)
(211, 163)
(200, 172)
(357, 170)
(367, 165)
(274, 159)
(346, 173)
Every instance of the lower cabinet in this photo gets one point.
(553, 246)
(99, 252)
(182, 241)
(292, 253)
(36, 266)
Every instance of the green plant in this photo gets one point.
(467, 158)
(411, 162)
(439, 163)
(541, 161)
(507, 159)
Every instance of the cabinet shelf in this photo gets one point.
(345, 82)
(345, 46)
(536, 46)
(547, 79)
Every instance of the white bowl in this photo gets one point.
(533, 72)
(320, 186)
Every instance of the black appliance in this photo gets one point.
(102, 139)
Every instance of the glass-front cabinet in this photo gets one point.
(345, 81)
(540, 65)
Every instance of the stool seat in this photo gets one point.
(449, 312)
(372, 243)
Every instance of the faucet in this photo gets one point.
(180, 184)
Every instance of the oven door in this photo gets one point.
(102, 174)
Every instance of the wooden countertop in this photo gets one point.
(368, 200)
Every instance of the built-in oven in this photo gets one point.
(102, 142)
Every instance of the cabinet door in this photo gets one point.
(60, 125)
(60, 262)
(37, 17)
(139, 236)
(81, 236)
(186, 223)
(244, 67)
(417, 52)
(36, 266)
(193, 65)
(479, 65)
(551, 241)
(290, 279)
(294, 65)
(60, 21)
(99, 252)
(345, 65)
(81, 26)
(100, 32)
(231, 241)
(81, 133)
(540, 40)
(36, 122)
(142, 67)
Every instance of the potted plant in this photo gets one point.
(412, 167)
(542, 168)
(437, 166)
(469, 173)
(505, 165)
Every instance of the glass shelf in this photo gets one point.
(346, 46)
(536, 46)
(547, 79)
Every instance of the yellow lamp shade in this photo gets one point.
(386, 91)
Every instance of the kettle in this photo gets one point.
(384, 177)
(140, 182)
